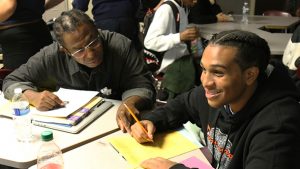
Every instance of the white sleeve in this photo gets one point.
(161, 35)
(290, 55)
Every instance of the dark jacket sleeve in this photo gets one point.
(35, 73)
(81, 4)
(178, 166)
(203, 12)
(135, 4)
(188, 106)
(216, 8)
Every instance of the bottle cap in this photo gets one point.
(47, 135)
(17, 90)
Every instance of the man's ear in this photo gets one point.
(251, 75)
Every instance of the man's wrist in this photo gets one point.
(30, 95)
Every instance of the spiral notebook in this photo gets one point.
(93, 115)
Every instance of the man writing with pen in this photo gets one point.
(85, 58)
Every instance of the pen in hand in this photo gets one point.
(63, 104)
(137, 120)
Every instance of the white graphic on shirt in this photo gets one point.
(106, 91)
(219, 143)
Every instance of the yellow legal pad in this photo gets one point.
(165, 145)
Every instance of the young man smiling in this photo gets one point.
(247, 108)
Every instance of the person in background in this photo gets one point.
(171, 37)
(85, 58)
(147, 6)
(249, 119)
(162, 35)
(22, 29)
(207, 11)
(293, 7)
(114, 15)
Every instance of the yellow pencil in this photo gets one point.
(137, 120)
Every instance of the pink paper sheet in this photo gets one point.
(194, 162)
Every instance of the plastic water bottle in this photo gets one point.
(196, 47)
(199, 47)
(49, 155)
(245, 10)
(21, 116)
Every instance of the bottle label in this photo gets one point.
(21, 112)
(196, 47)
(21, 108)
(52, 166)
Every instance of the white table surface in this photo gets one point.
(276, 41)
(23, 155)
(100, 154)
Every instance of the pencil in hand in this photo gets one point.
(137, 120)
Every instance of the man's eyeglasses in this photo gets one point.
(81, 52)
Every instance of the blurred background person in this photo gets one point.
(207, 11)
(114, 15)
(177, 63)
(23, 32)
(293, 7)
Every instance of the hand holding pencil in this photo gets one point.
(141, 131)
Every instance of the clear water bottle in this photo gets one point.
(245, 10)
(196, 47)
(21, 116)
(49, 155)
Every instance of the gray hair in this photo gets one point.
(69, 21)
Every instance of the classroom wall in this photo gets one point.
(235, 6)
(56, 11)
(257, 7)
(263, 5)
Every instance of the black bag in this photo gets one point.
(153, 58)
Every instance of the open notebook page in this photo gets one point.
(75, 98)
